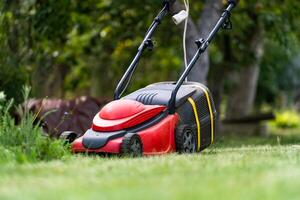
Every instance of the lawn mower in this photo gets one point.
(161, 118)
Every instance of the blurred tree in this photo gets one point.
(11, 52)
(69, 48)
(200, 27)
(243, 53)
(31, 33)
(105, 45)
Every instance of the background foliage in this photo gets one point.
(71, 48)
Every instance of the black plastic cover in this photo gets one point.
(95, 140)
(160, 94)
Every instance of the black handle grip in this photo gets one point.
(170, 2)
(235, 2)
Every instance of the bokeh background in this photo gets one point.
(65, 49)
(72, 53)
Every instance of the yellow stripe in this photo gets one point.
(210, 112)
(197, 120)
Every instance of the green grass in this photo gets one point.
(25, 140)
(234, 168)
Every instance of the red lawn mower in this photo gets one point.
(160, 118)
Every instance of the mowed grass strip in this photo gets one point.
(249, 172)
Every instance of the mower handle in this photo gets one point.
(146, 44)
(170, 2)
(202, 46)
(235, 2)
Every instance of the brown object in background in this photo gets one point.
(61, 115)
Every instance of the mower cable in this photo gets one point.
(187, 8)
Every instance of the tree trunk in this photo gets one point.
(54, 84)
(207, 21)
(208, 18)
(242, 98)
(218, 78)
(101, 78)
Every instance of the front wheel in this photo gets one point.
(185, 139)
(132, 145)
(68, 136)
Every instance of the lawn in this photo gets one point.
(234, 168)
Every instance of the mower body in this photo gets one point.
(145, 113)
(160, 118)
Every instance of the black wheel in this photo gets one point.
(132, 145)
(185, 139)
(68, 136)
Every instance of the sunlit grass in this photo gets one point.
(234, 168)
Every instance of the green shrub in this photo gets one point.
(287, 119)
(25, 141)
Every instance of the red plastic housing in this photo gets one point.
(122, 114)
(158, 139)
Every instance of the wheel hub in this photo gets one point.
(189, 142)
(135, 147)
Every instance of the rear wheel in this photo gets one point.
(132, 145)
(185, 139)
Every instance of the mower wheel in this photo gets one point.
(185, 139)
(131, 145)
(68, 136)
